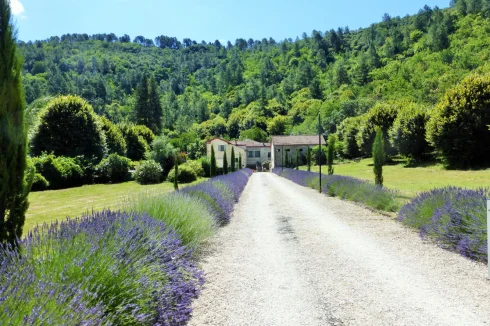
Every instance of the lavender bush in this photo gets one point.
(221, 193)
(347, 188)
(454, 217)
(107, 268)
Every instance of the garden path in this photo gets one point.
(292, 256)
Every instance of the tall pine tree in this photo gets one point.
(148, 109)
(14, 188)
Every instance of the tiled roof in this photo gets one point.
(296, 140)
(243, 143)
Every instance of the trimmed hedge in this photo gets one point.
(60, 172)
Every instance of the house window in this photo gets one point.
(236, 160)
(301, 150)
(250, 154)
(257, 153)
(269, 155)
(221, 148)
(288, 150)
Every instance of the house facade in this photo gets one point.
(287, 146)
(252, 152)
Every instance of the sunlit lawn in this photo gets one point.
(48, 206)
(412, 180)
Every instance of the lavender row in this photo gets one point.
(454, 217)
(221, 193)
(107, 268)
(346, 188)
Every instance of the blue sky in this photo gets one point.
(203, 19)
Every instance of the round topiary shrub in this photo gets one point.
(149, 172)
(186, 174)
(458, 127)
(114, 137)
(69, 127)
(407, 134)
(114, 168)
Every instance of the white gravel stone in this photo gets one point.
(292, 256)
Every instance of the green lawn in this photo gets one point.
(51, 205)
(412, 180)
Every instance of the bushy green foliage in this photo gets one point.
(33, 112)
(185, 172)
(346, 134)
(458, 125)
(251, 88)
(379, 157)
(40, 183)
(149, 172)
(407, 134)
(15, 184)
(145, 132)
(69, 127)
(382, 115)
(196, 166)
(162, 152)
(137, 145)
(206, 166)
(114, 169)
(114, 137)
(323, 155)
(60, 172)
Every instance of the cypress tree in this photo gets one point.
(379, 157)
(330, 152)
(297, 160)
(233, 167)
(308, 158)
(225, 164)
(212, 172)
(176, 173)
(240, 161)
(14, 185)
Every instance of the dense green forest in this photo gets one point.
(257, 88)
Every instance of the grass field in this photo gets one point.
(48, 206)
(411, 180)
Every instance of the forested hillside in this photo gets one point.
(256, 88)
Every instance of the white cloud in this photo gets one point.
(17, 7)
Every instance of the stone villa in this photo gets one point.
(254, 153)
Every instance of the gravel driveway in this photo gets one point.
(291, 256)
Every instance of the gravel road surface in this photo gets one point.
(291, 256)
